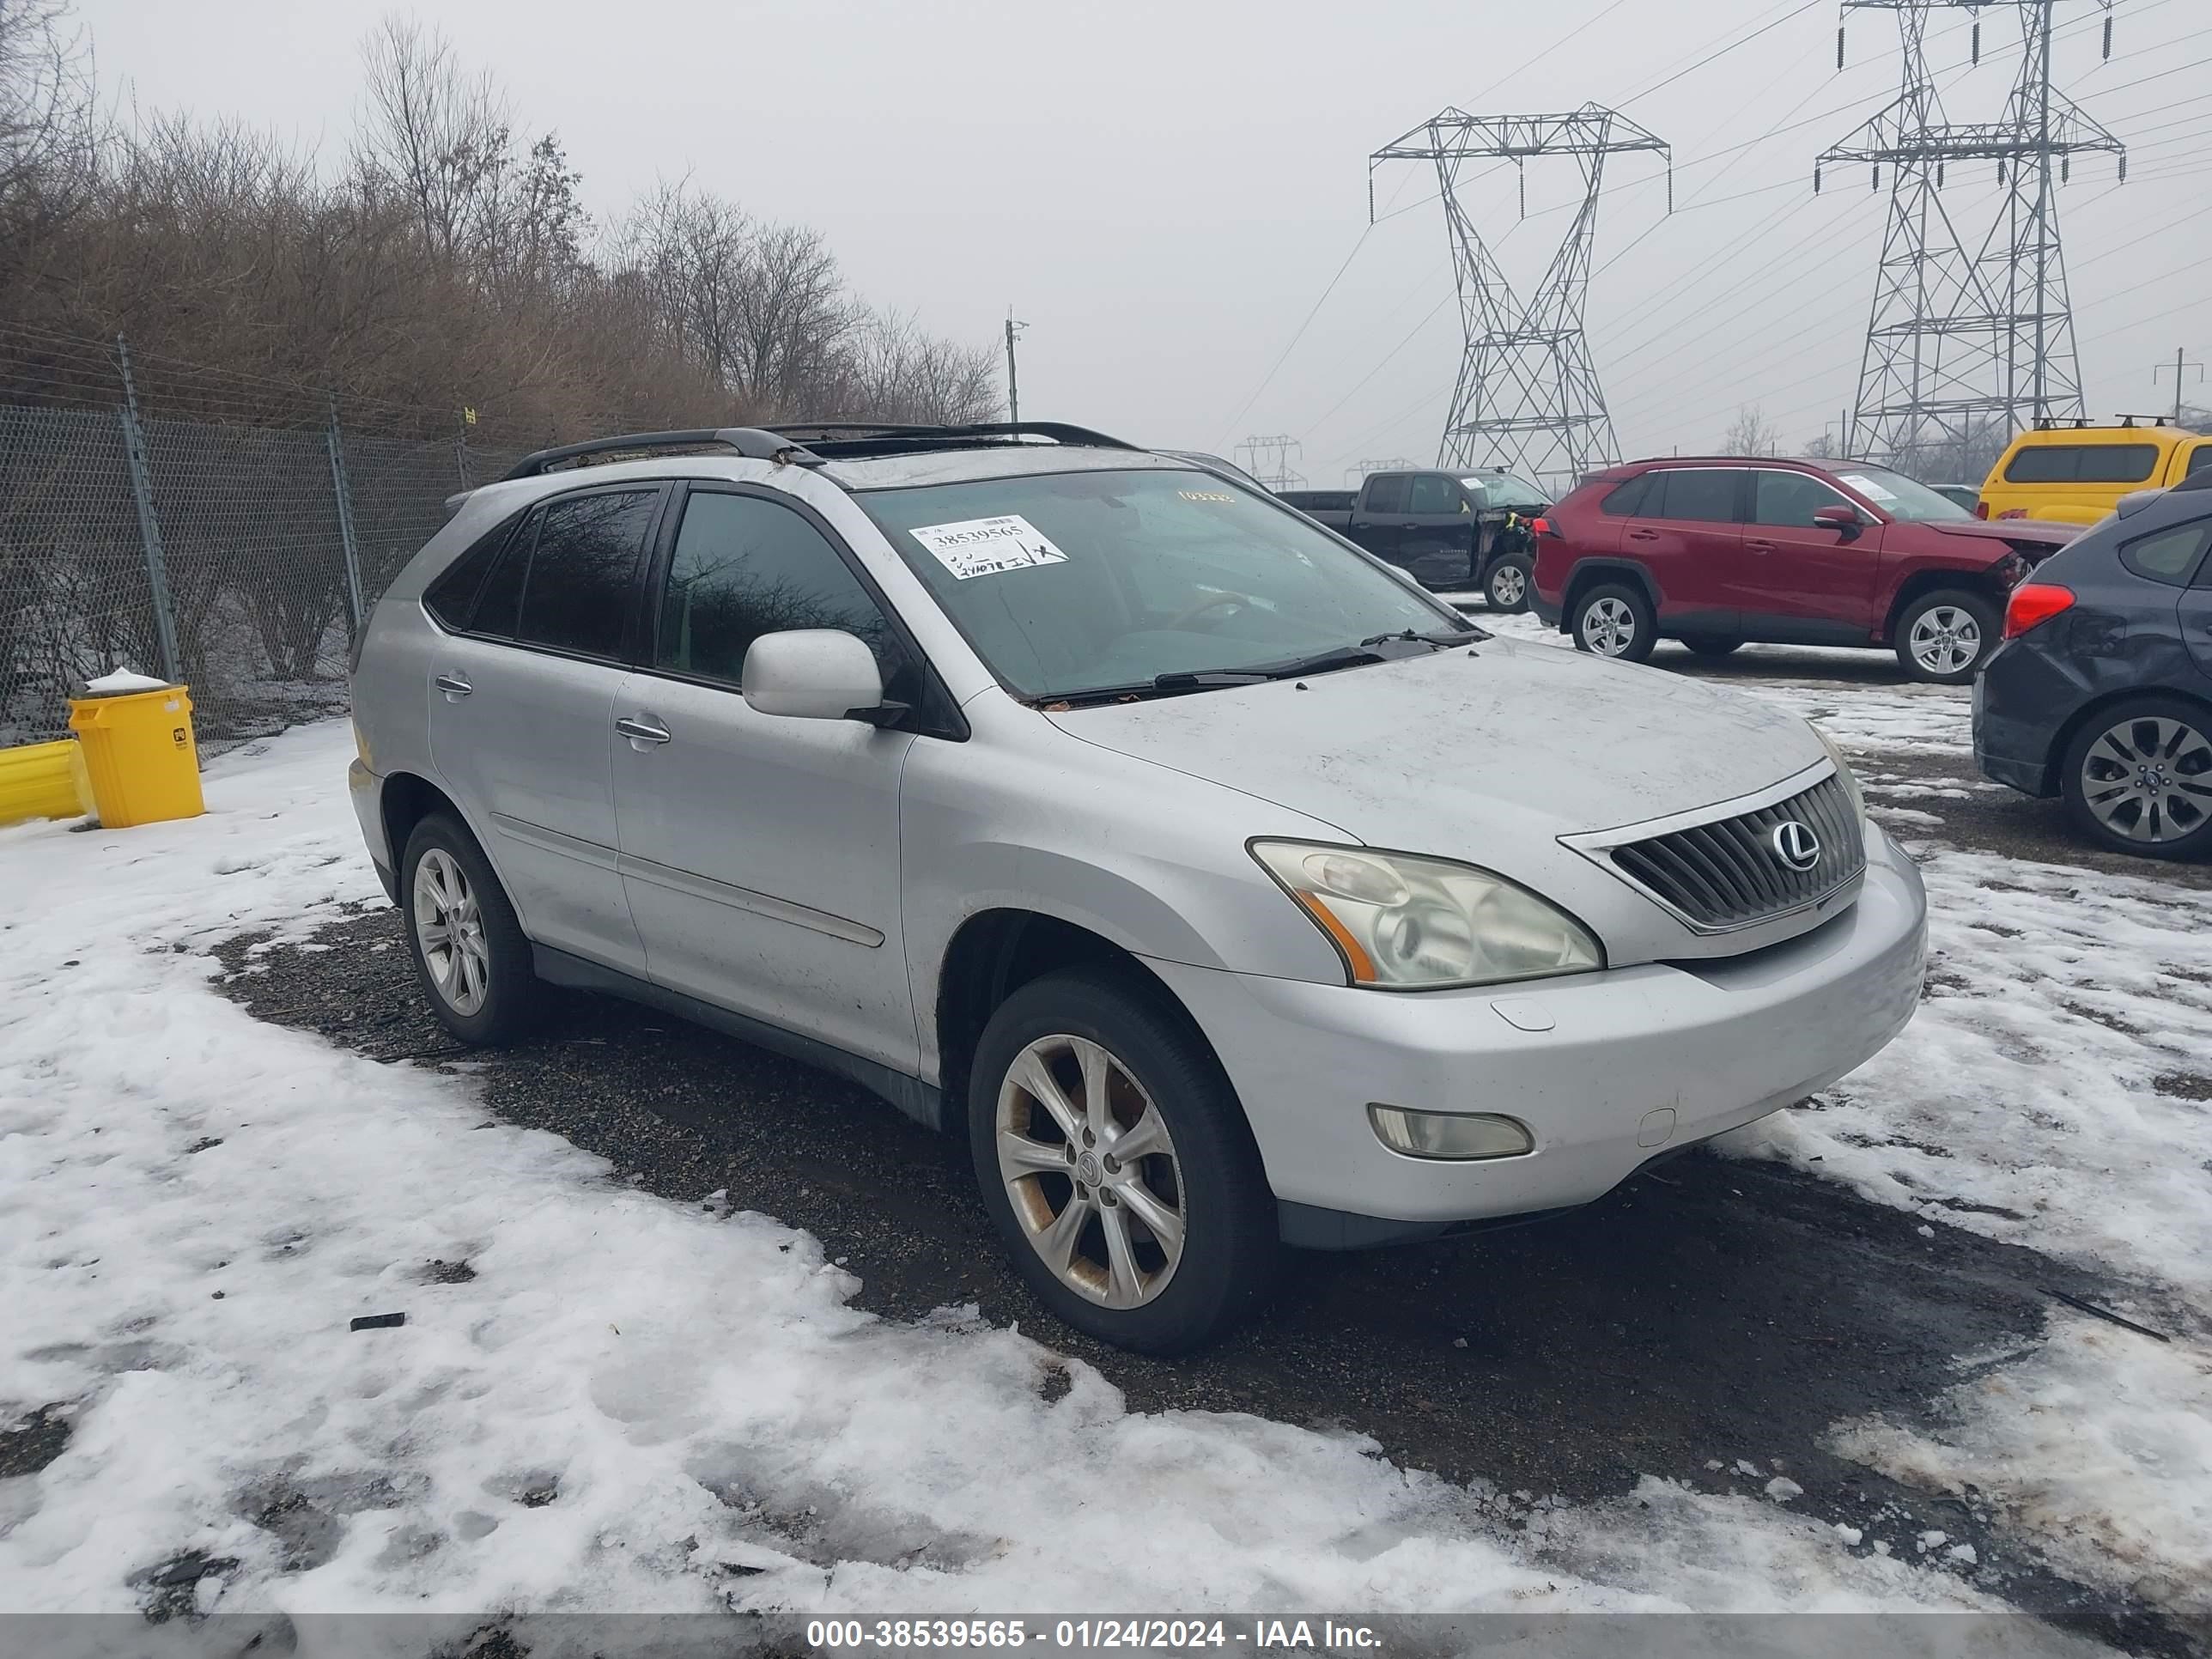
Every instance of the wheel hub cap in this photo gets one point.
(1091, 1171)
(449, 929)
(1946, 640)
(2149, 780)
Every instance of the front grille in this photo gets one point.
(1728, 874)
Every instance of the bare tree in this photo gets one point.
(46, 93)
(430, 131)
(794, 316)
(1752, 434)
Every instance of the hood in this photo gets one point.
(2034, 537)
(1489, 755)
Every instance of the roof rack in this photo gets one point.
(750, 441)
(853, 439)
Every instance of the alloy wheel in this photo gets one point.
(1508, 586)
(1610, 627)
(1091, 1171)
(2149, 780)
(1946, 639)
(449, 928)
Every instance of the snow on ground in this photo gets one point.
(599, 1399)
(2055, 1090)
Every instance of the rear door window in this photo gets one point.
(584, 571)
(2200, 460)
(1705, 495)
(2082, 464)
(1387, 494)
(1434, 494)
(501, 598)
(2169, 555)
(1789, 500)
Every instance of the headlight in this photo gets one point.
(1843, 771)
(1403, 923)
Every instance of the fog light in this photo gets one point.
(1449, 1135)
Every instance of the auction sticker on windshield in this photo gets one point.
(1866, 486)
(984, 547)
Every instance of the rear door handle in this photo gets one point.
(1761, 547)
(1644, 535)
(453, 686)
(641, 731)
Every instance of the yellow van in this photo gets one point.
(2077, 474)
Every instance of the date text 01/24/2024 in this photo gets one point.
(1259, 1634)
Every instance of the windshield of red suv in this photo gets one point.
(1068, 582)
(1899, 496)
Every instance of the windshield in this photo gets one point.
(1069, 582)
(1505, 489)
(1902, 497)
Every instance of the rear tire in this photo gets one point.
(2137, 778)
(1506, 586)
(1615, 621)
(467, 945)
(1713, 650)
(1161, 1251)
(1943, 638)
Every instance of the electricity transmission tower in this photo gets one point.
(1528, 396)
(1353, 474)
(1971, 331)
(1268, 459)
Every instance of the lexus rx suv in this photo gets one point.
(1190, 864)
(1716, 550)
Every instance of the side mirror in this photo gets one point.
(1839, 517)
(813, 674)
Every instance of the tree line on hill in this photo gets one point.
(444, 262)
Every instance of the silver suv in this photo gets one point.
(1222, 888)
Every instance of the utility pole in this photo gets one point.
(1013, 389)
(1528, 396)
(1971, 325)
(2181, 362)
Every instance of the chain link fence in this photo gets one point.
(236, 557)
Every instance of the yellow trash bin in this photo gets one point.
(139, 755)
(43, 780)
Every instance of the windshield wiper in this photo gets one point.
(1317, 662)
(1469, 635)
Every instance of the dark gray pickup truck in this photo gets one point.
(1452, 532)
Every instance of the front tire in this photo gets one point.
(2137, 778)
(1943, 638)
(1117, 1165)
(467, 945)
(1506, 587)
(1617, 621)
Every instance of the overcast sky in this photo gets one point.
(1162, 190)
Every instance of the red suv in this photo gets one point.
(1714, 550)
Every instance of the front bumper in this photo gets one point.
(1626, 1064)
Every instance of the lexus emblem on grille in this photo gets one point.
(1795, 844)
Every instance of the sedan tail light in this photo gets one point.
(2033, 604)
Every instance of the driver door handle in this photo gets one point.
(641, 731)
(453, 686)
